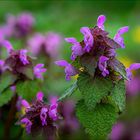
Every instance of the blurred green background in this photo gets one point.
(68, 16)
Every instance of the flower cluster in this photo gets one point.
(48, 44)
(97, 51)
(18, 62)
(18, 26)
(40, 117)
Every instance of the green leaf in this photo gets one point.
(6, 79)
(89, 62)
(93, 89)
(98, 122)
(6, 96)
(117, 66)
(28, 89)
(69, 91)
(118, 94)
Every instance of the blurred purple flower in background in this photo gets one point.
(133, 86)
(126, 130)
(49, 44)
(132, 67)
(18, 26)
(69, 69)
(117, 131)
(70, 123)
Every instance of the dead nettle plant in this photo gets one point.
(101, 82)
(101, 78)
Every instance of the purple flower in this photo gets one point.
(117, 131)
(132, 67)
(43, 116)
(77, 49)
(69, 69)
(39, 70)
(39, 96)
(53, 108)
(118, 38)
(100, 21)
(88, 38)
(103, 65)
(27, 124)
(23, 56)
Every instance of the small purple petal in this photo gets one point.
(118, 38)
(53, 108)
(25, 104)
(69, 69)
(71, 40)
(23, 57)
(103, 65)
(100, 21)
(28, 124)
(43, 116)
(112, 53)
(77, 49)
(61, 63)
(88, 38)
(40, 96)
(39, 70)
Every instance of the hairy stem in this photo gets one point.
(10, 118)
